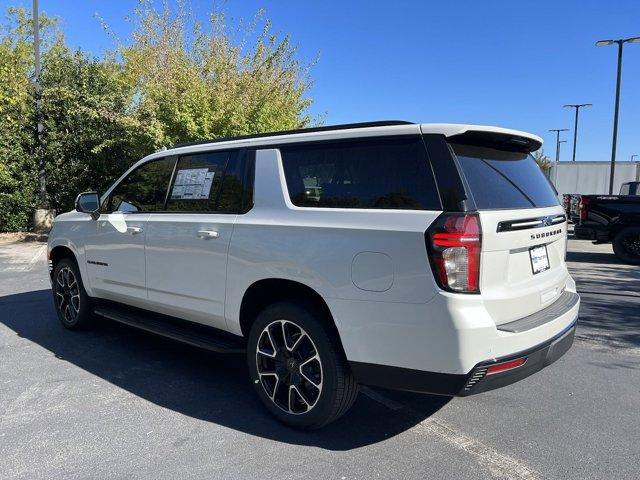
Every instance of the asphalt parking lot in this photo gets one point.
(118, 403)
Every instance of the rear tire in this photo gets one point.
(70, 299)
(626, 245)
(297, 366)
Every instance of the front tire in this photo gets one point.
(70, 299)
(626, 245)
(297, 366)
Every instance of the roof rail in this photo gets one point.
(345, 126)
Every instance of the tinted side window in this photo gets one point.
(504, 179)
(371, 173)
(197, 182)
(144, 189)
(235, 193)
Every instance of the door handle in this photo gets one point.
(208, 234)
(134, 230)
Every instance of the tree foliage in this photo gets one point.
(173, 80)
(543, 161)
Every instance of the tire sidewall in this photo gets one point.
(620, 250)
(305, 317)
(84, 314)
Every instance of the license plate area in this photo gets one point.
(539, 259)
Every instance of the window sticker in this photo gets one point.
(192, 184)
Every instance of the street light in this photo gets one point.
(44, 200)
(558, 130)
(560, 143)
(577, 106)
(620, 43)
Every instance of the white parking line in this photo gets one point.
(499, 465)
(36, 257)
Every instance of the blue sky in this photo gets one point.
(505, 63)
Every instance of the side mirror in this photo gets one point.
(88, 202)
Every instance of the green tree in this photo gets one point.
(195, 82)
(90, 138)
(542, 160)
(18, 172)
(174, 80)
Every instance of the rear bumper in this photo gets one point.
(537, 358)
(476, 381)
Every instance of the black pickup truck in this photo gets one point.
(612, 218)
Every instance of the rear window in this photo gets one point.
(504, 179)
(630, 188)
(373, 173)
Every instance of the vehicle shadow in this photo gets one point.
(602, 273)
(593, 257)
(610, 291)
(610, 320)
(197, 383)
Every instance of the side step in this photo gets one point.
(183, 331)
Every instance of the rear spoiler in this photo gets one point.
(485, 135)
(497, 140)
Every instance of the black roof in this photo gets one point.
(345, 126)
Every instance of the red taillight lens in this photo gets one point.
(584, 207)
(454, 242)
(504, 366)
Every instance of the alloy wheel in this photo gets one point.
(67, 294)
(289, 367)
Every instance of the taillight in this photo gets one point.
(454, 242)
(584, 207)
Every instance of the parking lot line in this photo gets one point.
(500, 465)
(36, 257)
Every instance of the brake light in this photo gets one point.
(584, 207)
(454, 242)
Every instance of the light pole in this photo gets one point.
(558, 130)
(577, 106)
(44, 200)
(620, 43)
(559, 144)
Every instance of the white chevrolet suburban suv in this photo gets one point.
(428, 258)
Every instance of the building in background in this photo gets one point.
(591, 178)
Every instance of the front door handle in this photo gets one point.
(208, 234)
(134, 230)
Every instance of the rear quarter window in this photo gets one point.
(380, 173)
(500, 179)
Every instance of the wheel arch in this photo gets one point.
(622, 224)
(265, 292)
(59, 252)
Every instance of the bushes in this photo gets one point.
(172, 81)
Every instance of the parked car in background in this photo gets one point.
(428, 258)
(612, 219)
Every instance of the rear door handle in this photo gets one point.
(208, 234)
(134, 230)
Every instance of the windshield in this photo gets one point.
(504, 179)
